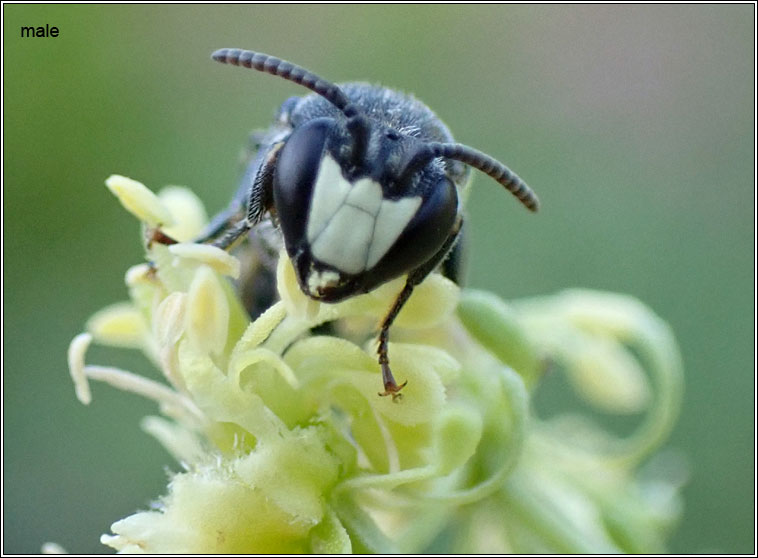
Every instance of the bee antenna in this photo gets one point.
(423, 156)
(289, 71)
(360, 129)
(489, 166)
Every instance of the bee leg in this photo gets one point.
(220, 223)
(232, 234)
(415, 277)
(390, 385)
(259, 201)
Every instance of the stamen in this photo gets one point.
(216, 258)
(180, 442)
(172, 403)
(53, 548)
(76, 351)
(139, 201)
(169, 400)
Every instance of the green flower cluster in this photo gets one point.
(286, 446)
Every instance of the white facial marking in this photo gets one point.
(345, 240)
(366, 195)
(322, 279)
(351, 226)
(392, 219)
(329, 194)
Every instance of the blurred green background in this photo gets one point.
(633, 123)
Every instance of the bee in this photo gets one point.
(362, 183)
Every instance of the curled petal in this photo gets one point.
(607, 375)
(458, 434)
(496, 326)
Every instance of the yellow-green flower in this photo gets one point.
(286, 446)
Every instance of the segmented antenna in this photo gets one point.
(289, 71)
(360, 129)
(422, 157)
(493, 168)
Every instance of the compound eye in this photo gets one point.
(296, 170)
(423, 236)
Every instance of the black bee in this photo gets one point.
(363, 182)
